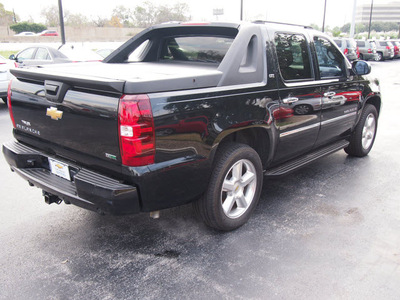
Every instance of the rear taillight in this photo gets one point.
(346, 51)
(369, 50)
(9, 103)
(387, 47)
(136, 130)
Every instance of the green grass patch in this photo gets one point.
(7, 53)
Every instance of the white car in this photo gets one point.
(5, 76)
(26, 33)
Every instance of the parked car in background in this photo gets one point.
(5, 77)
(367, 50)
(78, 53)
(384, 50)
(35, 56)
(48, 33)
(104, 52)
(396, 45)
(25, 33)
(348, 47)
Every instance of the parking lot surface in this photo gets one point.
(328, 231)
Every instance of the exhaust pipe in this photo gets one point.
(155, 214)
(49, 198)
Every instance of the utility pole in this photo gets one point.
(323, 22)
(370, 18)
(241, 10)
(353, 20)
(61, 15)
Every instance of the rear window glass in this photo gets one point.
(383, 43)
(210, 49)
(360, 43)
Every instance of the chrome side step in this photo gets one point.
(304, 160)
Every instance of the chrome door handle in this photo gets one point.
(290, 100)
(329, 94)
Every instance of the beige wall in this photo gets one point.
(72, 34)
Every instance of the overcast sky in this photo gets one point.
(304, 12)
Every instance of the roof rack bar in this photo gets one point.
(280, 23)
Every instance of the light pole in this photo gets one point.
(353, 19)
(323, 22)
(370, 18)
(61, 15)
(241, 10)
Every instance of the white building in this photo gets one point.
(389, 12)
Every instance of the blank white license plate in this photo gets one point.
(59, 168)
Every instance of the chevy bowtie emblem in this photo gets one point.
(54, 113)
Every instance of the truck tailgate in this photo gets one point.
(75, 106)
(58, 112)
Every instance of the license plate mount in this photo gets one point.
(59, 168)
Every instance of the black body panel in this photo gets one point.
(195, 108)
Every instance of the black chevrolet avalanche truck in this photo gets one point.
(189, 112)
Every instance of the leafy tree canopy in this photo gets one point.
(25, 26)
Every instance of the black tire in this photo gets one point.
(379, 56)
(361, 56)
(240, 197)
(364, 134)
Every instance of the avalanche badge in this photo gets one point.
(54, 113)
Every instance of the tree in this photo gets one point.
(124, 15)
(145, 15)
(176, 12)
(76, 20)
(148, 14)
(100, 22)
(115, 22)
(7, 17)
(375, 26)
(26, 26)
(336, 32)
(345, 28)
(51, 15)
(315, 26)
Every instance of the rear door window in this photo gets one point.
(42, 54)
(360, 44)
(293, 56)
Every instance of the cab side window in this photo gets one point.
(331, 62)
(293, 56)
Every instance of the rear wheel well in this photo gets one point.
(256, 138)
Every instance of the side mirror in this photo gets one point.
(12, 57)
(361, 67)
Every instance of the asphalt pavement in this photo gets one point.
(328, 231)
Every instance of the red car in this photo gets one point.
(48, 33)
